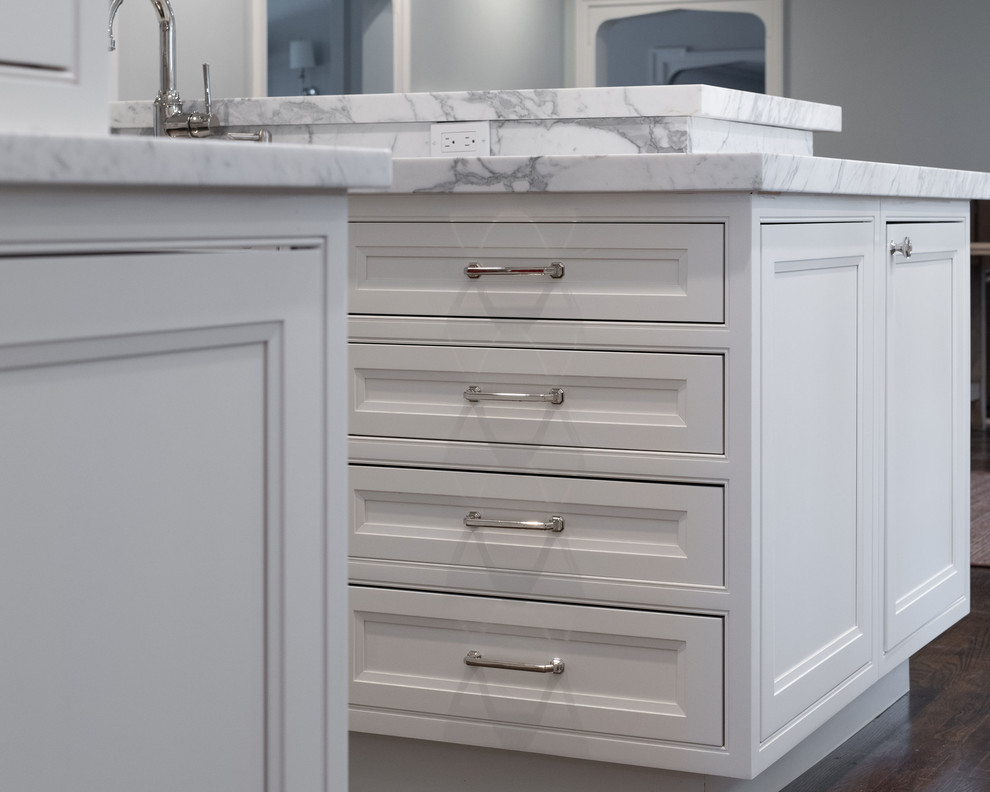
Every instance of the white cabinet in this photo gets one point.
(166, 363)
(817, 497)
(41, 35)
(737, 461)
(926, 509)
(54, 67)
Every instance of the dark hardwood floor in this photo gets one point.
(979, 450)
(936, 738)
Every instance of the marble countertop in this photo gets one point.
(688, 138)
(121, 160)
(647, 101)
(749, 172)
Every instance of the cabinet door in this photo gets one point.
(54, 67)
(161, 554)
(816, 494)
(926, 537)
(40, 35)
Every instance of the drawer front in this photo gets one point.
(654, 676)
(620, 530)
(621, 400)
(650, 272)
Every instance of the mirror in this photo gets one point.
(732, 43)
(379, 46)
(683, 47)
(351, 41)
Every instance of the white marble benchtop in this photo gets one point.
(645, 101)
(638, 139)
(685, 173)
(121, 160)
(659, 119)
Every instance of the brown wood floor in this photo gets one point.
(979, 450)
(937, 737)
(980, 498)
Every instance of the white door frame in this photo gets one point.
(590, 15)
(258, 47)
(401, 47)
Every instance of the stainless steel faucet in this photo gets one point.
(169, 118)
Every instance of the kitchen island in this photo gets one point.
(172, 347)
(659, 435)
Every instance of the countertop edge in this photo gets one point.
(143, 161)
(644, 101)
(749, 172)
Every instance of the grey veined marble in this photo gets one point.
(771, 173)
(648, 101)
(39, 159)
(645, 120)
(650, 138)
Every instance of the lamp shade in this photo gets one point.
(301, 55)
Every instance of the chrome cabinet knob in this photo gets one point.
(905, 248)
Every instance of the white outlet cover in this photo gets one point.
(481, 130)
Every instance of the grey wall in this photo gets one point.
(216, 32)
(484, 44)
(911, 77)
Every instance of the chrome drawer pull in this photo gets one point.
(555, 523)
(554, 270)
(475, 394)
(474, 658)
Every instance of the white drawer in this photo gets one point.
(651, 272)
(665, 534)
(638, 674)
(622, 400)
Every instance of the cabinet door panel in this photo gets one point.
(41, 34)
(816, 498)
(163, 508)
(54, 67)
(927, 508)
(130, 586)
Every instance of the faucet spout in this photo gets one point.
(111, 42)
(167, 103)
(168, 94)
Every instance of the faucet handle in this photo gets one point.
(203, 124)
(206, 89)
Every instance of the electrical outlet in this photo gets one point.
(458, 142)
(460, 139)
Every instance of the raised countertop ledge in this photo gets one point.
(647, 101)
(113, 160)
(685, 173)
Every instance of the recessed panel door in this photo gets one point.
(926, 525)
